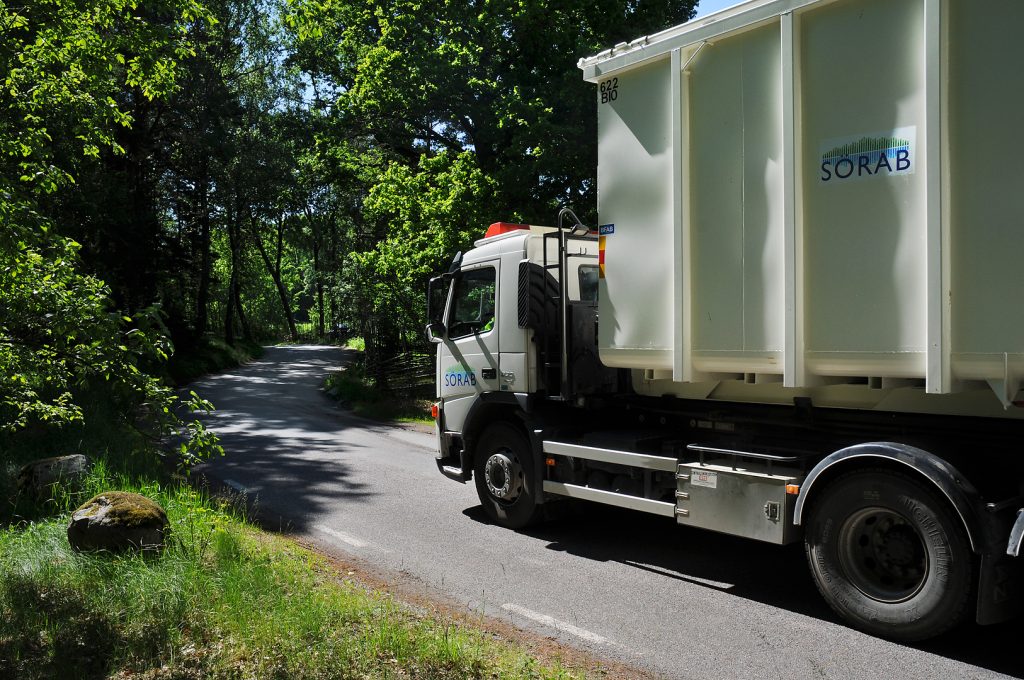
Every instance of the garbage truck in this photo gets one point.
(799, 316)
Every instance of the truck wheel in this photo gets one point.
(503, 468)
(888, 555)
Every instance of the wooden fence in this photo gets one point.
(409, 374)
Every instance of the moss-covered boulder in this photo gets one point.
(118, 521)
(37, 479)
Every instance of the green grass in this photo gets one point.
(351, 387)
(224, 600)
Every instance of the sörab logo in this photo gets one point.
(459, 376)
(864, 156)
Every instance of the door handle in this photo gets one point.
(489, 373)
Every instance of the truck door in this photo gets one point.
(469, 353)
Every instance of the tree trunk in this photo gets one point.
(275, 274)
(205, 259)
(229, 319)
(318, 277)
(334, 269)
(229, 314)
(242, 318)
(234, 228)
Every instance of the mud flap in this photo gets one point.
(1000, 588)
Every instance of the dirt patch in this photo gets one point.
(425, 428)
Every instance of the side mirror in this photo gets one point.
(437, 295)
(435, 332)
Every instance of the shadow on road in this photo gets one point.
(274, 432)
(773, 575)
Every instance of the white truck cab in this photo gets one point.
(482, 346)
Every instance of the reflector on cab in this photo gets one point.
(503, 228)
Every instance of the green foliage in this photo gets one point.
(478, 114)
(57, 334)
(62, 343)
(497, 78)
(65, 65)
(61, 346)
(431, 211)
(55, 321)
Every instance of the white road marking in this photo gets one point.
(342, 536)
(239, 487)
(552, 622)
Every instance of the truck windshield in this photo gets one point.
(473, 311)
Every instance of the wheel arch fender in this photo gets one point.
(960, 493)
(491, 407)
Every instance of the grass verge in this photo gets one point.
(224, 600)
(354, 390)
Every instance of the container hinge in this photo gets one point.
(1007, 388)
(693, 56)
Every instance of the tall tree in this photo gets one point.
(226, 161)
(478, 112)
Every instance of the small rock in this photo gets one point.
(117, 521)
(36, 479)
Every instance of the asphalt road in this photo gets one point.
(638, 589)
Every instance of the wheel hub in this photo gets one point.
(883, 555)
(504, 477)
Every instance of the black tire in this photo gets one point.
(889, 555)
(504, 458)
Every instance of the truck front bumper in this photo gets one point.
(451, 457)
(451, 454)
